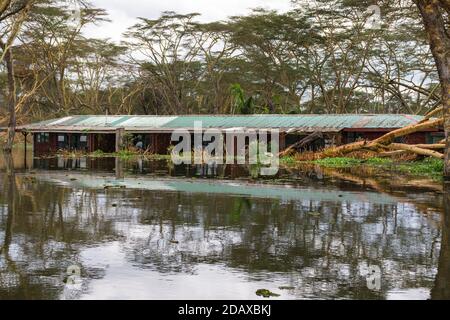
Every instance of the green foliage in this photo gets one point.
(338, 162)
(97, 154)
(242, 105)
(266, 293)
(350, 162)
(378, 161)
(125, 154)
(429, 167)
(288, 160)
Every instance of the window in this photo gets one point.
(43, 137)
(435, 137)
(61, 138)
(400, 140)
(352, 137)
(83, 138)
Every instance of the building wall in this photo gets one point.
(159, 143)
(49, 143)
(415, 138)
(102, 142)
(44, 143)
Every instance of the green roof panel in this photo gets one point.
(305, 123)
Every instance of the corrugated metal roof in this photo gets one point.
(305, 123)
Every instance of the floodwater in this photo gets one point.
(142, 229)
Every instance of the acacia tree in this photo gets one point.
(169, 58)
(40, 33)
(399, 72)
(12, 15)
(216, 52)
(55, 44)
(273, 59)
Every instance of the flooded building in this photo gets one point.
(153, 133)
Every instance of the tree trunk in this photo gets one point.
(436, 146)
(391, 136)
(414, 149)
(432, 12)
(11, 101)
(384, 140)
(302, 143)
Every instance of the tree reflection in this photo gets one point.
(11, 187)
(441, 290)
(43, 227)
(319, 247)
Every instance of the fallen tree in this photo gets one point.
(391, 136)
(302, 143)
(388, 154)
(416, 150)
(437, 146)
(432, 113)
(385, 142)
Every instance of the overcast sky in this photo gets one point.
(123, 13)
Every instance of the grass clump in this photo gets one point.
(350, 162)
(429, 167)
(339, 162)
(126, 154)
(289, 160)
(378, 161)
(97, 154)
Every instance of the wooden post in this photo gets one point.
(25, 135)
(120, 175)
(89, 143)
(120, 133)
(338, 139)
(282, 141)
(33, 150)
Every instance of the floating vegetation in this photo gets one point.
(266, 293)
(430, 167)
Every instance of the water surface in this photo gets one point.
(148, 230)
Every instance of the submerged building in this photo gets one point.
(106, 133)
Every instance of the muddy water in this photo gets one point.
(148, 230)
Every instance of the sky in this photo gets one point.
(123, 13)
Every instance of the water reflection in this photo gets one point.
(441, 289)
(140, 166)
(138, 234)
